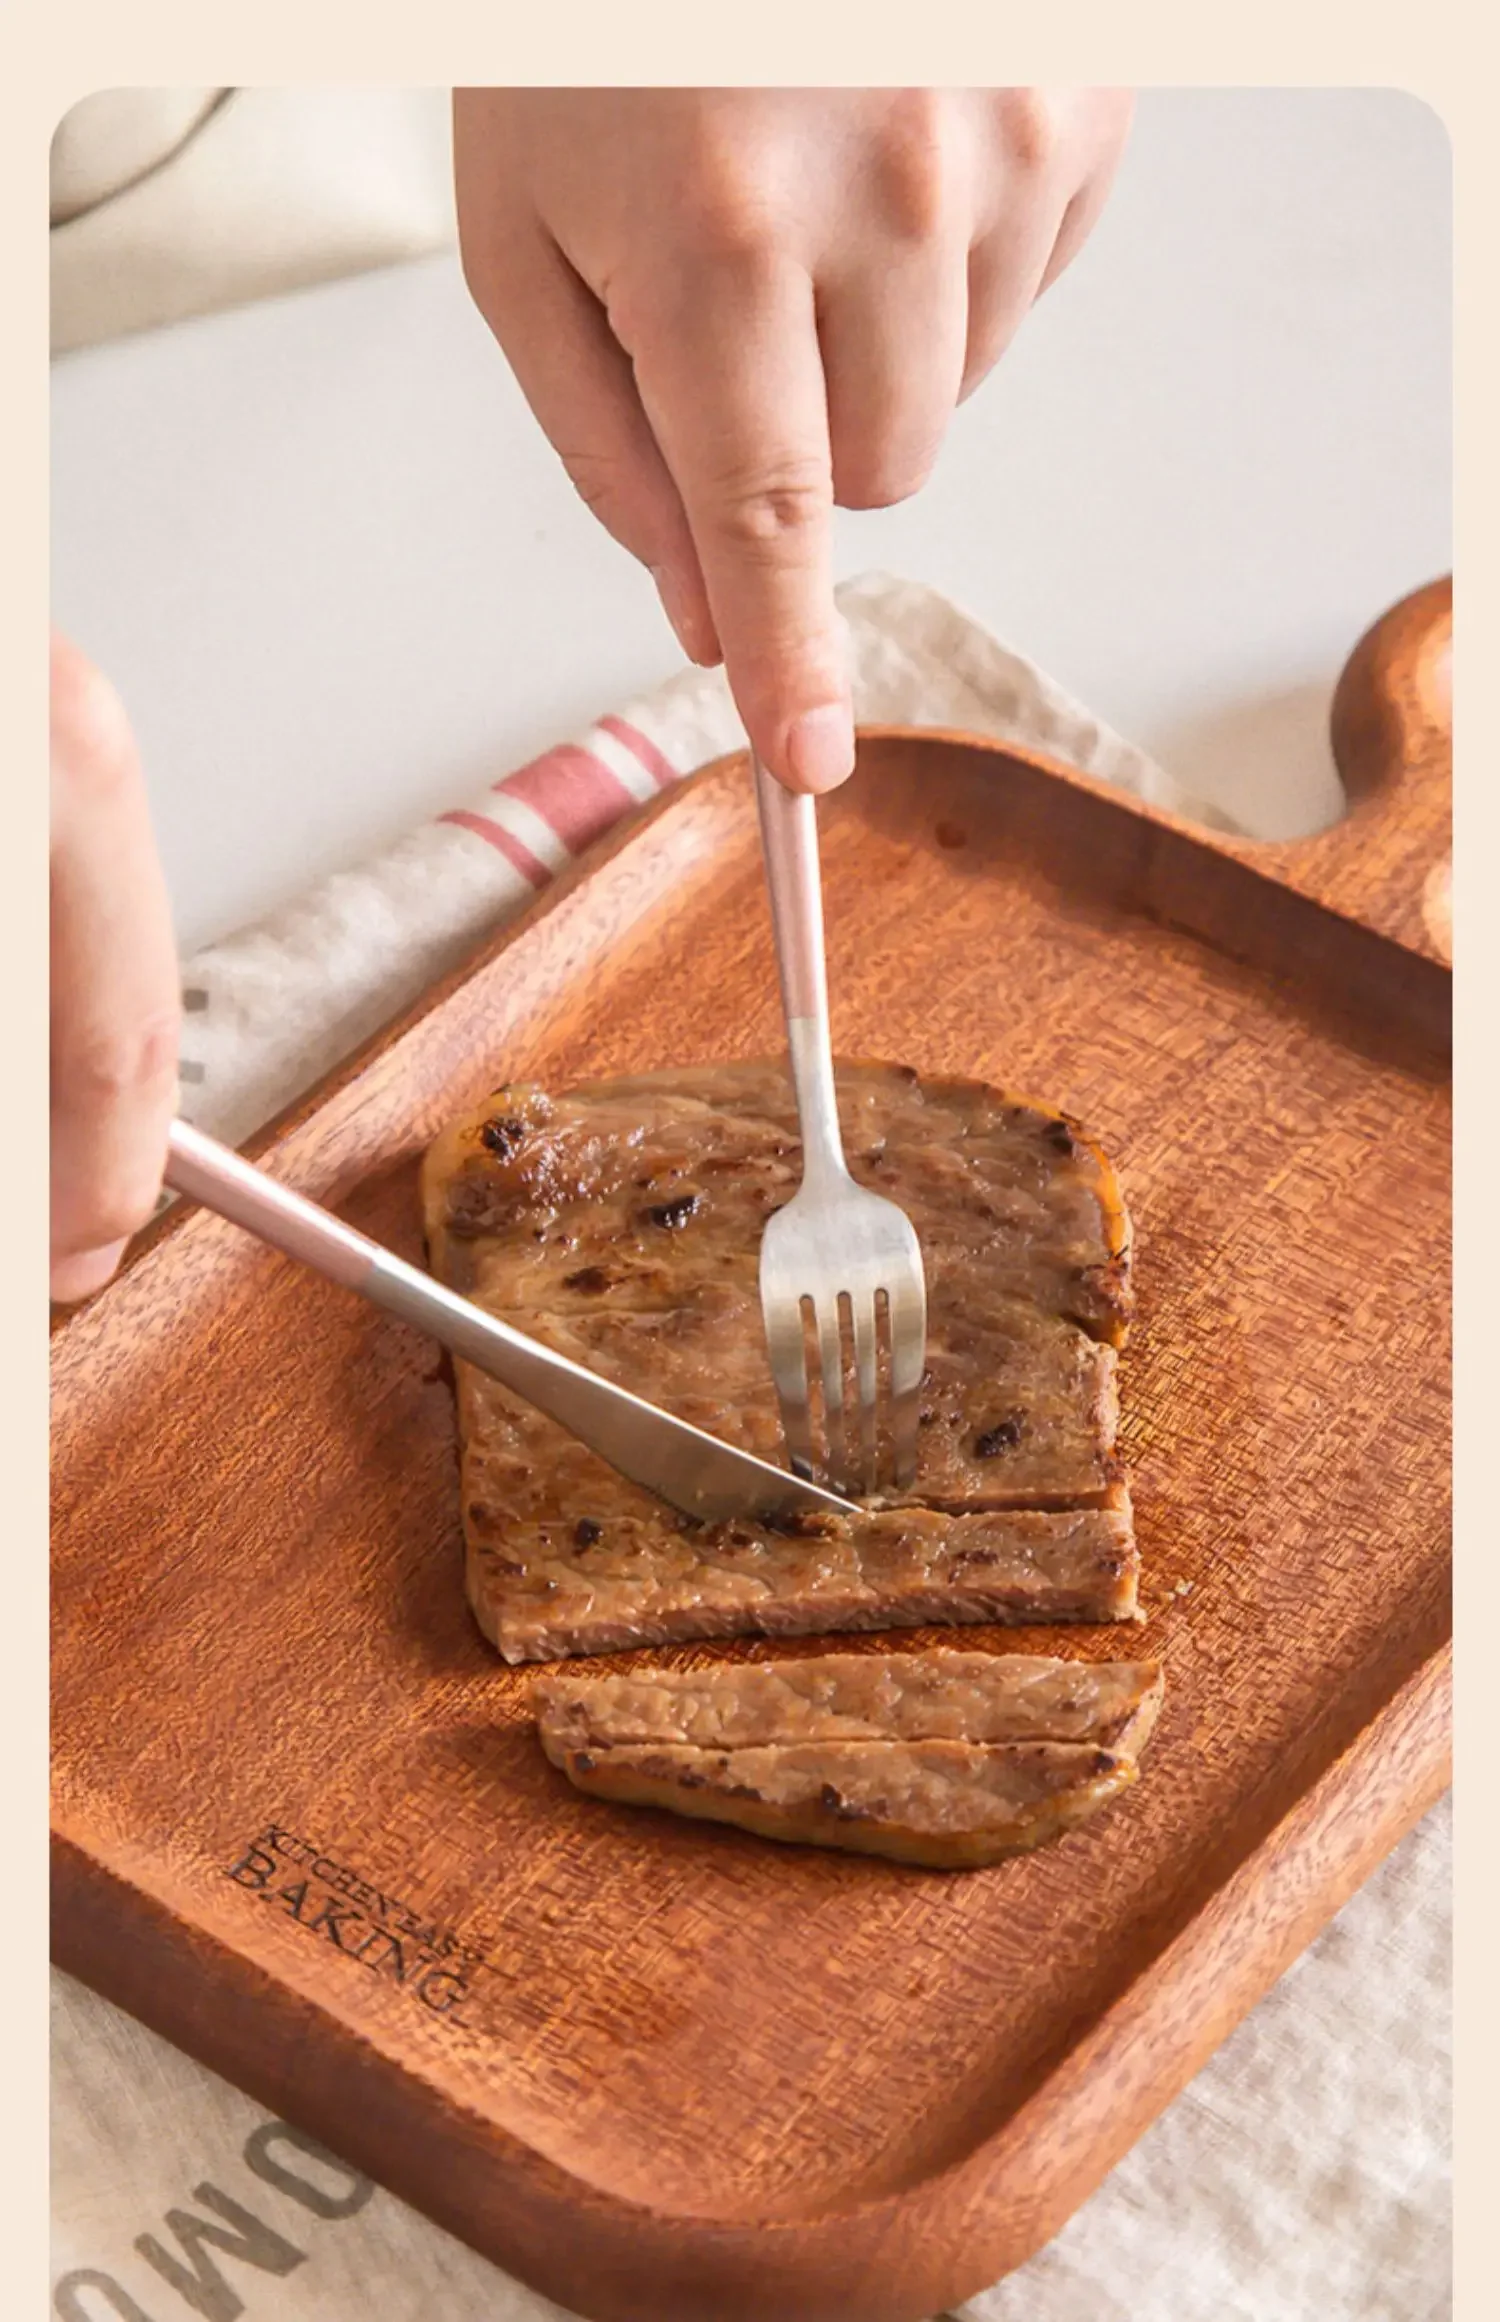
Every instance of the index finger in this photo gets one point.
(731, 378)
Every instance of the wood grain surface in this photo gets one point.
(301, 1823)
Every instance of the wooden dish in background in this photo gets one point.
(667, 2070)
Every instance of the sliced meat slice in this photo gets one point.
(847, 1697)
(942, 1804)
(543, 1591)
(945, 1759)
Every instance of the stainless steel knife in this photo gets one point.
(682, 1465)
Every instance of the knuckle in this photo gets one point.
(136, 1063)
(913, 166)
(728, 210)
(773, 512)
(629, 309)
(618, 494)
(733, 226)
(1029, 128)
(596, 478)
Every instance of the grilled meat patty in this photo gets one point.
(620, 1224)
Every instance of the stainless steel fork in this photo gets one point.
(842, 1288)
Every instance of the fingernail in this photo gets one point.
(679, 612)
(820, 747)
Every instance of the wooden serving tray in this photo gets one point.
(301, 1824)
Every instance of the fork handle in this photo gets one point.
(789, 840)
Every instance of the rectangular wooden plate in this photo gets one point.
(301, 1823)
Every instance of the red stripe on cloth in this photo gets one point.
(661, 769)
(504, 842)
(572, 790)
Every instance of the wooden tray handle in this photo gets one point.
(1389, 861)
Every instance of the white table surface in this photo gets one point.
(335, 570)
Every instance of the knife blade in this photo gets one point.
(691, 1470)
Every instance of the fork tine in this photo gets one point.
(908, 1306)
(862, 1320)
(787, 1348)
(835, 1418)
(904, 1419)
(796, 1426)
(908, 1316)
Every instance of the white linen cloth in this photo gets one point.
(1303, 2177)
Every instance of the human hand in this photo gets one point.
(731, 309)
(115, 994)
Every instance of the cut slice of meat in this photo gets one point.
(1019, 1408)
(943, 1805)
(847, 1697)
(898, 1755)
(600, 1584)
(621, 1225)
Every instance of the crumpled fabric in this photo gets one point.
(167, 203)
